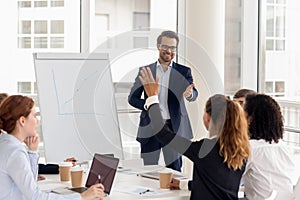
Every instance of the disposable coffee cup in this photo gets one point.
(64, 171)
(76, 176)
(165, 178)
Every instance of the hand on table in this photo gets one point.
(41, 178)
(174, 184)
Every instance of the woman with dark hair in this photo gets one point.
(269, 169)
(18, 168)
(240, 95)
(219, 161)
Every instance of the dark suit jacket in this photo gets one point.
(212, 179)
(180, 78)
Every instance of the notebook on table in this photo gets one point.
(106, 167)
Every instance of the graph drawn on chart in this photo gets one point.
(65, 98)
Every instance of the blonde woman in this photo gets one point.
(219, 161)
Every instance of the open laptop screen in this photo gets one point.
(106, 167)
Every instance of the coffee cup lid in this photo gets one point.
(165, 171)
(76, 168)
(65, 164)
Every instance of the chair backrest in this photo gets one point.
(296, 192)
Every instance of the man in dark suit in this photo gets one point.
(176, 83)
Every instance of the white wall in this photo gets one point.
(165, 13)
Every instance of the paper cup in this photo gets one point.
(64, 171)
(165, 178)
(76, 176)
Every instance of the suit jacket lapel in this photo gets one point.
(153, 69)
(172, 79)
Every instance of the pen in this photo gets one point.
(144, 192)
(99, 178)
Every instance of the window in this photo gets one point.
(269, 87)
(141, 20)
(57, 27)
(27, 87)
(281, 66)
(35, 88)
(24, 4)
(40, 27)
(24, 42)
(57, 3)
(40, 4)
(275, 25)
(57, 42)
(40, 42)
(24, 27)
(279, 87)
(41, 35)
(24, 87)
(275, 88)
(233, 34)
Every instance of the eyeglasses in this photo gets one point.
(166, 47)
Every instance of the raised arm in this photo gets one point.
(162, 132)
(134, 97)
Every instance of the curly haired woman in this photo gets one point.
(269, 169)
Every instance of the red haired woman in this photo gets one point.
(18, 168)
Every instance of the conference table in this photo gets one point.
(126, 185)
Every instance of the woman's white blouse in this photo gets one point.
(269, 168)
(18, 173)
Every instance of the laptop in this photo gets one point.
(105, 166)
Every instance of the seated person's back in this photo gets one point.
(270, 166)
(212, 178)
